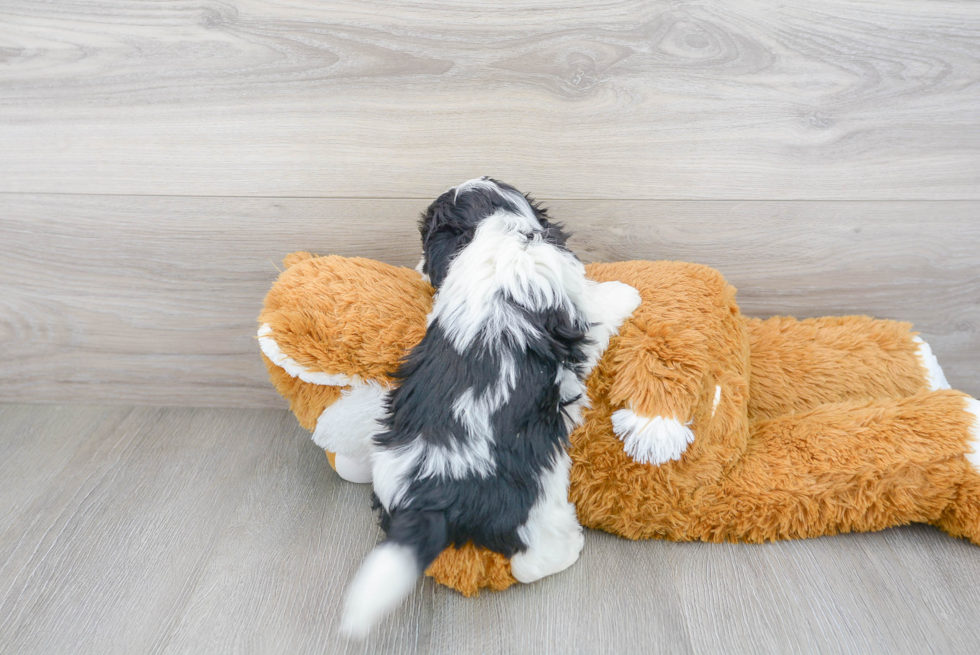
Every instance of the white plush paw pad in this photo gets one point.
(348, 424)
(973, 455)
(353, 469)
(935, 377)
(655, 440)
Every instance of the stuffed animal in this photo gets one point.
(702, 424)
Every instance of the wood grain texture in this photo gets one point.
(103, 560)
(842, 99)
(224, 531)
(37, 447)
(152, 300)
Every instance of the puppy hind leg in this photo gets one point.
(552, 532)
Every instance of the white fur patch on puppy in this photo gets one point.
(502, 270)
(552, 532)
(973, 455)
(347, 426)
(271, 350)
(420, 269)
(656, 440)
(391, 469)
(935, 377)
(386, 577)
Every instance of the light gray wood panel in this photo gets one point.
(104, 560)
(152, 300)
(840, 99)
(117, 299)
(219, 531)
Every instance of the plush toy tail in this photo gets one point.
(390, 571)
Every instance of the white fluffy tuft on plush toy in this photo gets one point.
(655, 440)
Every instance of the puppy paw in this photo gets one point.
(558, 551)
(655, 440)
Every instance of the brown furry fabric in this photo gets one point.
(469, 569)
(797, 365)
(823, 425)
(355, 317)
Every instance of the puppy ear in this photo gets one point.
(553, 232)
(446, 228)
(441, 248)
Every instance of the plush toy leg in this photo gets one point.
(668, 353)
(798, 365)
(962, 518)
(856, 466)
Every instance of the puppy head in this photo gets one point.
(451, 221)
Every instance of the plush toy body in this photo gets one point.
(703, 424)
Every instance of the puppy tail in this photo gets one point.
(389, 572)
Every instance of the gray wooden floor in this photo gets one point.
(179, 530)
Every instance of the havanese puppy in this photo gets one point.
(477, 426)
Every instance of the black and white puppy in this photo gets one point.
(476, 429)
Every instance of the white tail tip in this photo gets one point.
(386, 577)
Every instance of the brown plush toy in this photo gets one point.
(703, 425)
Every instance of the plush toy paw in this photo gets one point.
(348, 425)
(351, 469)
(655, 440)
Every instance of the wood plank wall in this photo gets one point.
(157, 160)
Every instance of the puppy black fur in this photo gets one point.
(529, 428)
(483, 498)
